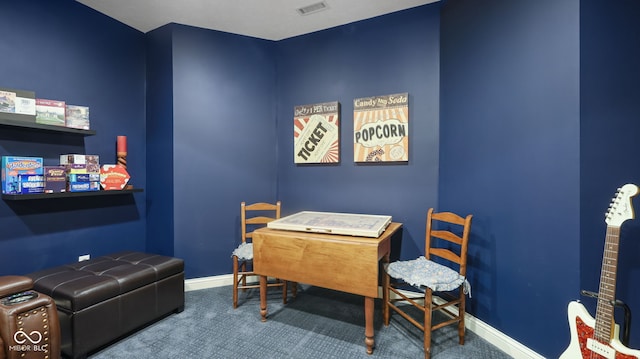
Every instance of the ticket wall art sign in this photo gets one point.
(316, 133)
(381, 128)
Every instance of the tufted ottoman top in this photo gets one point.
(79, 285)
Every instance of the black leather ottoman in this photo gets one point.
(102, 299)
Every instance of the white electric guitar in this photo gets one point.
(599, 338)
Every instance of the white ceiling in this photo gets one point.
(265, 19)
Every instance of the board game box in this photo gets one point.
(366, 225)
(18, 104)
(55, 179)
(50, 112)
(29, 183)
(14, 166)
(77, 117)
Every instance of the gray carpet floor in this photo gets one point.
(319, 323)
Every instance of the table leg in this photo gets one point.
(386, 281)
(368, 323)
(263, 297)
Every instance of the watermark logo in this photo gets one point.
(22, 334)
(28, 342)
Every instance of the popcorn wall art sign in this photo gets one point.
(316, 133)
(381, 128)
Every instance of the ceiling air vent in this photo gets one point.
(313, 8)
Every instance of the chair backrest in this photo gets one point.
(454, 230)
(257, 215)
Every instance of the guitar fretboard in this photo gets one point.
(606, 295)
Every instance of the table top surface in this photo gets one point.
(391, 229)
(355, 224)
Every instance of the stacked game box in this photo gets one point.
(18, 104)
(77, 117)
(82, 172)
(30, 183)
(22, 175)
(55, 179)
(50, 112)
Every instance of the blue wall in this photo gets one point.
(221, 139)
(159, 136)
(61, 50)
(521, 113)
(547, 136)
(386, 55)
(510, 154)
(609, 112)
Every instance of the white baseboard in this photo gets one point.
(499, 339)
(482, 329)
(208, 282)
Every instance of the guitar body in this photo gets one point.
(582, 346)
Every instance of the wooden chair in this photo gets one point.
(252, 217)
(442, 270)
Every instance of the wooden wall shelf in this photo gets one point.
(32, 126)
(7, 121)
(34, 196)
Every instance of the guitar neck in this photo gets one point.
(606, 295)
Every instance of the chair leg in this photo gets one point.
(427, 322)
(385, 299)
(294, 289)
(284, 292)
(235, 282)
(243, 267)
(461, 311)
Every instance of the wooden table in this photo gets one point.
(345, 263)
